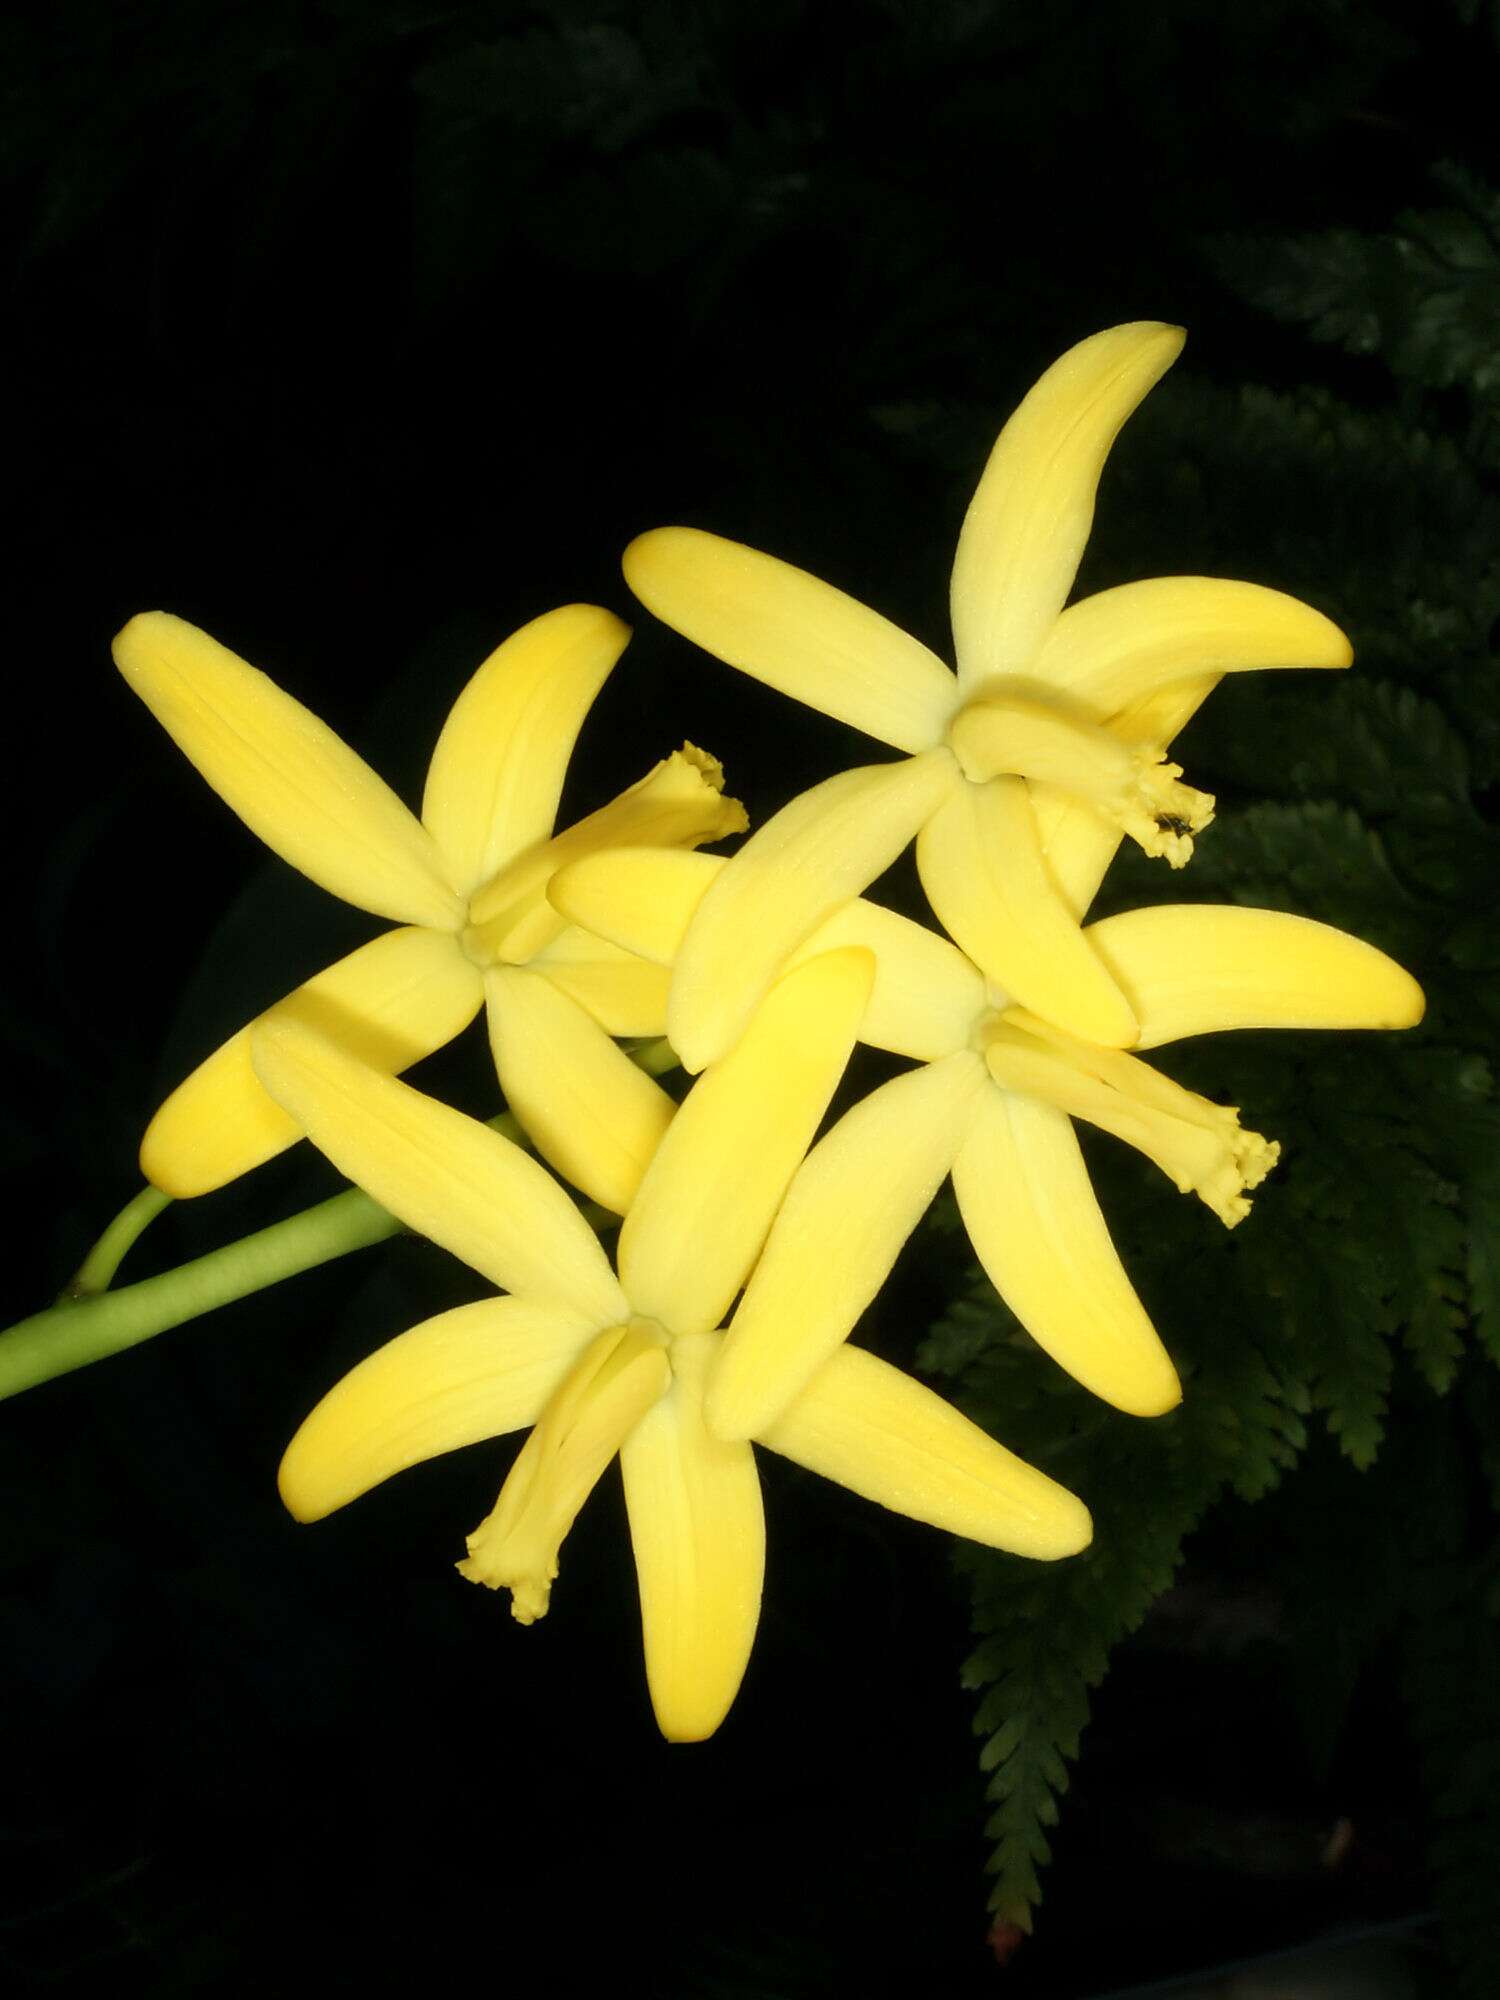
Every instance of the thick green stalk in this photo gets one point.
(80, 1330)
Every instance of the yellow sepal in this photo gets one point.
(814, 855)
(473, 1373)
(698, 1532)
(390, 1003)
(445, 1175)
(1026, 1200)
(851, 1206)
(882, 1434)
(718, 1177)
(1030, 517)
(1194, 969)
(290, 779)
(497, 772)
(794, 633)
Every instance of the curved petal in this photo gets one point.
(1031, 1214)
(981, 864)
(290, 779)
(641, 899)
(883, 1435)
(445, 1175)
(390, 1003)
(851, 1206)
(1193, 969)
(699, 1536)
(1078, 842)
(1120, 645)
(1029, 519)
(625, 994)
(591, 1113)
(814, 855)
(718, 1177)
(470, 1374)
(497, 772)
(679, 803)
(926, 995)
(794, 633)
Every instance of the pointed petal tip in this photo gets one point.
(609, 624)
(1155, 1394)
(1409, 1005)
(1160, 333)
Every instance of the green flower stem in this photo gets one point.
(80, 1330)
(97, 1270)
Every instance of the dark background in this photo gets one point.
(359, 334)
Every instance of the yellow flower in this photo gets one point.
(598, 1363)
(1023, 771)
(993, 1105)
(466, 883)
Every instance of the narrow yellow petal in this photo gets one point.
(641, 899)
(852, 1204)
(698, 1532)
(814, 855)
(1194, 969)
(470, 1374)
(794, 633)
(883, 1435)
(1200, 1146)
(626, 994)
(926, 994)
(606, 1393)
(1036, 1227)
(981, 864)
(679, 803)
(446, 1175)
(390, 1003)
(589, 1111)
(1048, 740)
(1030, 518)
(497, 771)
(1119, 645)
(1157, 718)
(1078, 842)
(290, 779)
(718, 1177)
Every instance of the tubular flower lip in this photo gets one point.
(1024, 769)
(993, 1105)
(597, 1362)
(466, 883)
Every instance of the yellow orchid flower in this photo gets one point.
(599, 1363)
(466, 883)
(1024, 769)
(993, 1105)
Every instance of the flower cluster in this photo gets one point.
(748, 1246)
